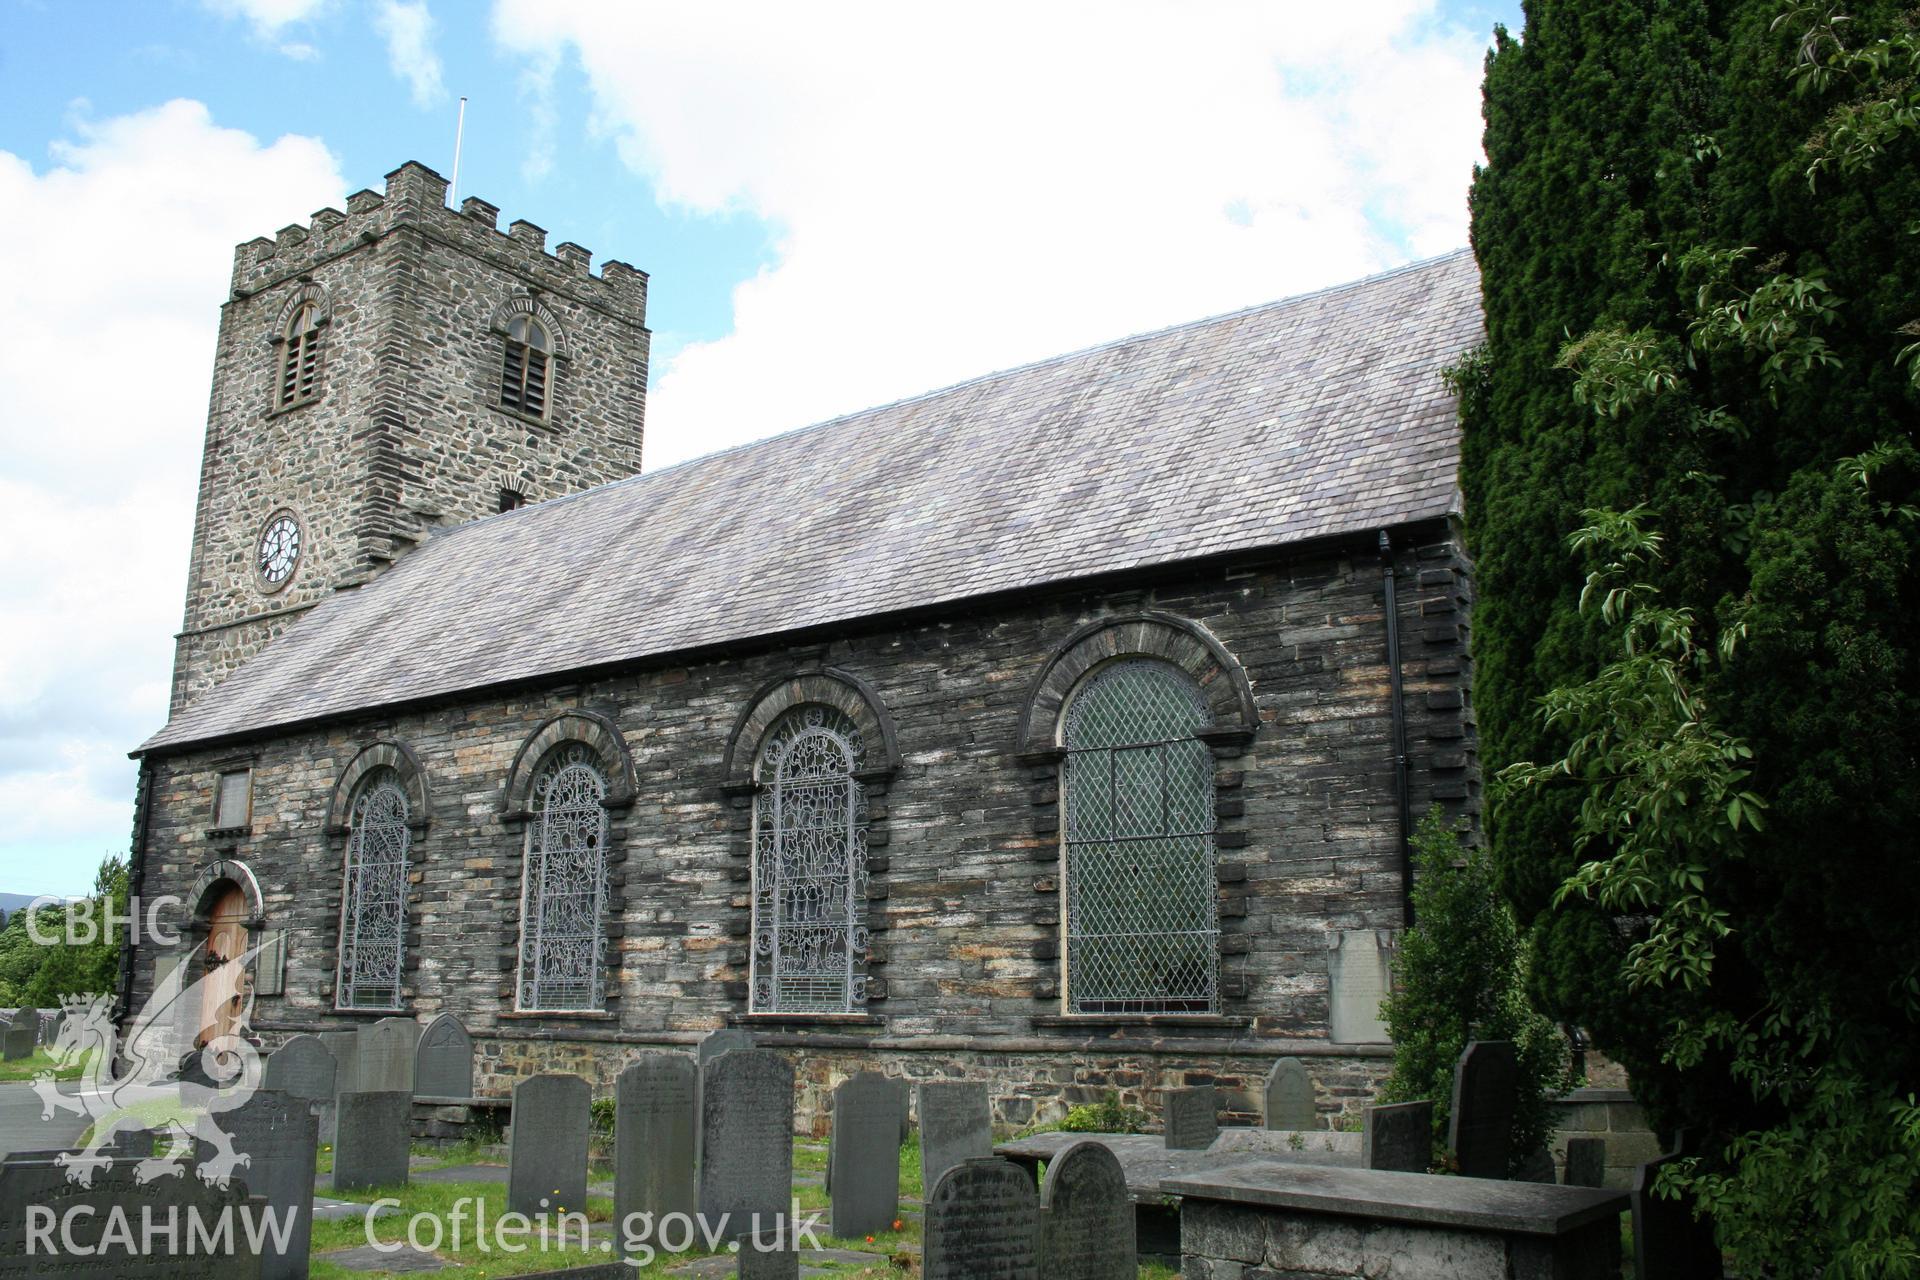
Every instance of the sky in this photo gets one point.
(837, 204)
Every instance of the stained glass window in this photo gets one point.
(1143, 932)
(374, 900)
(810, 867)
(564, 886)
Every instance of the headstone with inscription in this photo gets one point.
(1397, 1137)
(746, 1122)
(956, 1123)
(864, 1158)
(1481, 1126)
(387, 1050)
(653, 1137)
(370, 1147)
(1359, 977)
(443, 1064)
(710, 1047)
(96, 1231)
(547, 1150)
(982, 1223)
(51, 1021)
(345, 1048)
(1586, 1162)
(303, 1067)
(1190, 1117)
(17, 1041)
(1086, 1217)
(1289, 1097)
(278, 1134)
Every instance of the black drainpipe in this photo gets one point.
(1398, 702)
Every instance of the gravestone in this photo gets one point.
(1586, 1162)
(982, 1223)
(956, 1123)
(722, 1041)
(772, 1258)
(547, 1150)
(345, 1048)
(1668, 1244)
(1290, 1102)
(746, 1119)
(95, 1221)
(303, 1067)
(903, 1099)
(710, 1047)
(374, 1131)
(443, 1064)
(387, 1050)
(653, 1137)
(1086, 1217)
(1190, 1117)
(51, 1020)
(279, 1135)
(18, 1040)
(1359, 977)
(863, 1162)
(1481, 1126)
(1397, 1137)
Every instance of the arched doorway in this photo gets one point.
(223, 998)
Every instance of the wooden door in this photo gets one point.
(223, 998)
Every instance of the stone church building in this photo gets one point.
(1061, 728)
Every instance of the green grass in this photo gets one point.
(439, 1199)
(32, 1065)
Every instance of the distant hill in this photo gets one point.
(12, 902)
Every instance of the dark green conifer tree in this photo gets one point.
(1699, 233)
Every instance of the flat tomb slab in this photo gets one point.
(1509, 1208)
(1149, 1165)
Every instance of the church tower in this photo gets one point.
(387, 371)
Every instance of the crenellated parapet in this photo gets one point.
(416, 197)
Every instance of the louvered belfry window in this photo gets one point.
(810, 934)
(1143, 931)
(373, 907)
(300, 358)
(564, 886)
(523, 382)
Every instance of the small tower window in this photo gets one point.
(523, 381)
(300, 358)
(512, 499)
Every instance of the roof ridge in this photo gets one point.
(1405, 268)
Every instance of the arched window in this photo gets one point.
(810, 866)
(1143, 932)
(523, 381)
(563, 890)
(300, 357)
(373, 902)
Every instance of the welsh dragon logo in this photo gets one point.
(151, 1094)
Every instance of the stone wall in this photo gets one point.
(406, 433)
(964, 901)
(1616, 1119)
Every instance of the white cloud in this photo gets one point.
(270, 18)
(407, 28)
(115, 264)
(962, 188)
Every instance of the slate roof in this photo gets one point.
(1312, 416)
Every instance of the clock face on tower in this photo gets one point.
(279, 550)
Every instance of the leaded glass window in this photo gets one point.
(373, 904)
(564, 885)
(810, 866)
(1143, 931)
